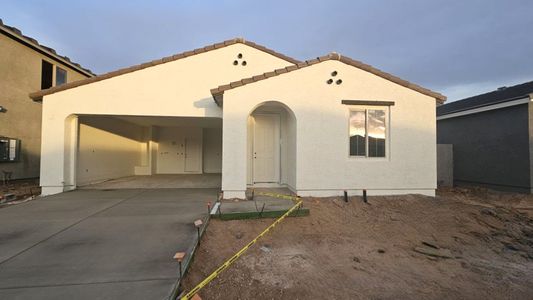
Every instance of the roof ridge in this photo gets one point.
(39, 94)
(17, 32)
(515, 92)
(219, 91)
(493, 91)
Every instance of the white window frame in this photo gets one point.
(366, 108)
(54, 77)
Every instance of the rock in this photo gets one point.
(265, 248)
(442, 253)
(381, 251)
(430, 245)
(356, 259)
(488, 212)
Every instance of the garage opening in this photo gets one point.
(148, 152)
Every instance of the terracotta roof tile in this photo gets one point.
(38, 95)
(218, 92)
(247, 80)
(235, 84)
(166, 59)
(270, 74)
(258, 77)
(291, 68)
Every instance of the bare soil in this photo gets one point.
(366, 251)
(18, 191)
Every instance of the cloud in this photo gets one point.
(456, 47)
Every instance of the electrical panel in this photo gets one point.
(9, 149)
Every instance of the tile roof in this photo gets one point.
(503, 94)
(219, 91)
(38, 95)
(31, 42)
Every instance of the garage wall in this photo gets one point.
(107, 148)
(212, 150)
(174, 155)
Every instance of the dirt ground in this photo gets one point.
(372, 251)
(21, 190)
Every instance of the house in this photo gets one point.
(492, 138)
(26, 66)
(255, 117)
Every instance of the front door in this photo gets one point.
(266, 148)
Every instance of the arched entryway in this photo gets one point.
(271, 142)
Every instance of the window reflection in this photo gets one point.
(367, 133)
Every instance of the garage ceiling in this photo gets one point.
(171, 121)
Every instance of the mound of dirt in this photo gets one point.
(467, 244)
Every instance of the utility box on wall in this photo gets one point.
(9, 149)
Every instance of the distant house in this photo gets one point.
(255, 117)
(26, 66)
(492, 137)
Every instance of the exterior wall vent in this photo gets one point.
(240, 60)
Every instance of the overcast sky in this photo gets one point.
(458, 48)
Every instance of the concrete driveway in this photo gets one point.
(98, 244)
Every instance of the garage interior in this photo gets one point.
(148, 152)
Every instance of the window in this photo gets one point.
(46, 75)
(9, 149)
(367, 132)
(61, 76)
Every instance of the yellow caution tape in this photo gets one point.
(281, 196)
(230, 261)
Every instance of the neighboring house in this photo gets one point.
(26, 66)
(492, 138)
(258, 117)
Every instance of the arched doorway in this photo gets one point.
(271, 152)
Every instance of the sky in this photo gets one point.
(458, 48)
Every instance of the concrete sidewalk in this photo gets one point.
(96, 244)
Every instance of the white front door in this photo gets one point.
(266, 148)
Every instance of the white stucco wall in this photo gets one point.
(107, 148)
(212, 149)
(323, 164)
(177, 88)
